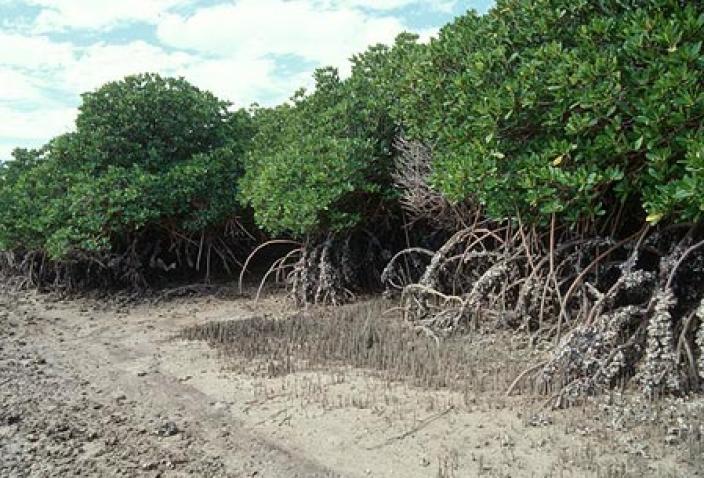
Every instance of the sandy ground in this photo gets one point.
(89, 389)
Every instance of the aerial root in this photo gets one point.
(616, 310)
(257, 250)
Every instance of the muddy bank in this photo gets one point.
(74, 401)
(92, 388)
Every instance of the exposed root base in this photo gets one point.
(336, 269)
(149, 259)
(616, 309)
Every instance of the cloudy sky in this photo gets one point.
(244, 51)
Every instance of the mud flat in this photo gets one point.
(221, 386)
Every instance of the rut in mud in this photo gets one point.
(70, 404)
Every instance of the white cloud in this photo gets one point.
(251, 29)
(19, 87)
(29, 69)
(98, 14)
(102, 62)
(239, 80)
(426, 34)
(35, 124)
(59, 15)
(6, 151)
(381, 5)
(33, 51)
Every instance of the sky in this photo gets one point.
(244, 51)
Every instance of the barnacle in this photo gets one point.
(659, 368)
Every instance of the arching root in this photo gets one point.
(616, 309)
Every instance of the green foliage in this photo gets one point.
(323, 162)
(151, 121)
(540, 107)
(26, 187)
(567, 107)
(149, 154)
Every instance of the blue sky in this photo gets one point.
(244, 51)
